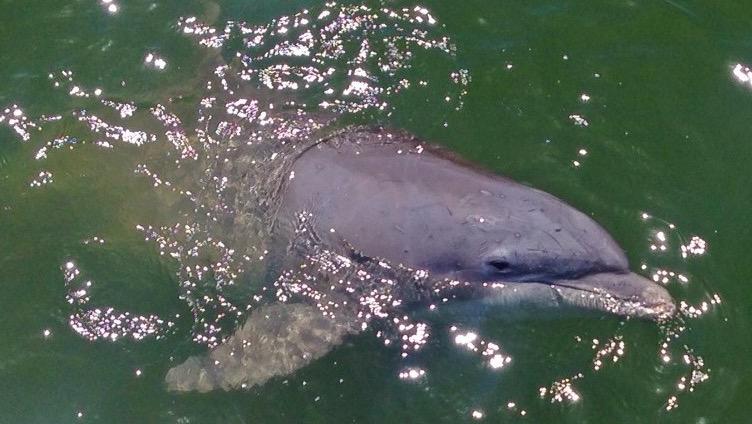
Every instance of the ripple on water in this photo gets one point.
(290, 80)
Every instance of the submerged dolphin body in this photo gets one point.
(372, 221)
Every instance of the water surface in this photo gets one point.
(635, 112)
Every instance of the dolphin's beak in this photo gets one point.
(625, 294)
(621, 293)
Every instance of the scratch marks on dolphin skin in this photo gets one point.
(553, 238)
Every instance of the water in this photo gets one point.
(635, 112)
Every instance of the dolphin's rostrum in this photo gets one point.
(371, 221)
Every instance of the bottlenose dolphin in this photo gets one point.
(371, 223)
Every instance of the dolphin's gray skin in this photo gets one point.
(429, 210)
(388, 197)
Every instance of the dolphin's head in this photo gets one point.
(471, 228)
(526, 246)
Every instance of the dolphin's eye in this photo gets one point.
(499, 265)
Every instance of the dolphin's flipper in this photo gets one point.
(276, 340)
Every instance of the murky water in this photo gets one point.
(141, 144)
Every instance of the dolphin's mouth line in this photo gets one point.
(556, 283)
(598, 292)
(656, 309)
(580, 295)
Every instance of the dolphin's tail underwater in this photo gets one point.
(280, 338)
(275, 340)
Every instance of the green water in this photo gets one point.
(668, 136)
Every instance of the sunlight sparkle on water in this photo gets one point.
(43, 178)
(412, 374)
(367, 78)
(104, 323)
(125, 110)
(696, 246)
(613, 348)
(15, 118)
(698, 374)
(579, 120)
(561, 391)
(330, 56)
(490, 351)
(156, 62)
(742, 73)
(110, 6)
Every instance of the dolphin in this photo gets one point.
(372, 223)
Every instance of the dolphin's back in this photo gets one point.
(414, 204)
